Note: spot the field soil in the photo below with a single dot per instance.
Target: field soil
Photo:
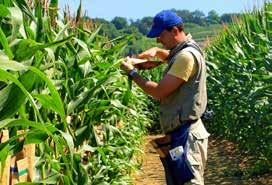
(224, 160)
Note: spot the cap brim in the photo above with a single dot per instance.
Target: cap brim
(154, 32)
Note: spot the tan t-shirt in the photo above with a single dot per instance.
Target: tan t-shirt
(184, 66)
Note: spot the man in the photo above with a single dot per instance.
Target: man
(182, 95)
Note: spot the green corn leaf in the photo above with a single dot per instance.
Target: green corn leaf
(83, 97)
(5, 122)
(75, 103)
(71, 48)
(4, 42)
(27, 48)
(52, 178)
(94, 34)
(25, 8)
(48, 102)
(28, 31)
(7, 64)
(4, 11)
(4, 152)
(16, 15)
(84, 59)
(82, 134)
(49, 31)
(12, 105)
(82, 44)
(4, 95)
(117, 104)
(61, 34)
(49, 129)
(102, 154)
(128, 93)
(13, 96)
(35, 136)
(6, 3)
(58, 105)
(69, 140)
(39, 16)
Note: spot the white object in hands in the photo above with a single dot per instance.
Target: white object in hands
(135, 61)
(176, 153)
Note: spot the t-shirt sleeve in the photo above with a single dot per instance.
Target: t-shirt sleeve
(184, 66)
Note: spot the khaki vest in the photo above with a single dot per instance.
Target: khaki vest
(189, 101)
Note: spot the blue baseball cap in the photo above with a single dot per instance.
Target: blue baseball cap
(163, 20)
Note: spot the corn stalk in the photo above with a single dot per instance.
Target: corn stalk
(240, 90)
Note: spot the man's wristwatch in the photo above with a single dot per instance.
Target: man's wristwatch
(132, 73)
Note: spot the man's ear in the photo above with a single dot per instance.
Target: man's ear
(175, 30)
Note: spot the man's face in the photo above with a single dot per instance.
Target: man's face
(167, 39)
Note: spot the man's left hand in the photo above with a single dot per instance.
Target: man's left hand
(127, 67)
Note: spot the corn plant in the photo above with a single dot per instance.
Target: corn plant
(240, 90)
(60, 81)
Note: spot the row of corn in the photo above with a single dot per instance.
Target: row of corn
(60, 82)
(240, 85)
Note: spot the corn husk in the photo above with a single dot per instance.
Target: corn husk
(135, 61)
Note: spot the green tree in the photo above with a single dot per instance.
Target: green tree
(119, 22)
(185, 14)
(227, 17)
(213, 17)
(108, 29)
(198, 17)
(143, 25)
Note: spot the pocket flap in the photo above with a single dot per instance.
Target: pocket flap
(193, 160)
(199, 131)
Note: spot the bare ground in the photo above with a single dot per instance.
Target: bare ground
(223, 160)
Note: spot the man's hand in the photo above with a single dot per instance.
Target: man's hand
(127, 66)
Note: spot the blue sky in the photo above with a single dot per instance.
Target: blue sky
(137, 9)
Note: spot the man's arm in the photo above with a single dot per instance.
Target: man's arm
(151, 53)
(155, 52)
(159, 90)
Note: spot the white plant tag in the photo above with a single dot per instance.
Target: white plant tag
(176, 153)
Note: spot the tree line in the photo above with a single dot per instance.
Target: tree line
(120, 26)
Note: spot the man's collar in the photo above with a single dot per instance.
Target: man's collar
(188, 37)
